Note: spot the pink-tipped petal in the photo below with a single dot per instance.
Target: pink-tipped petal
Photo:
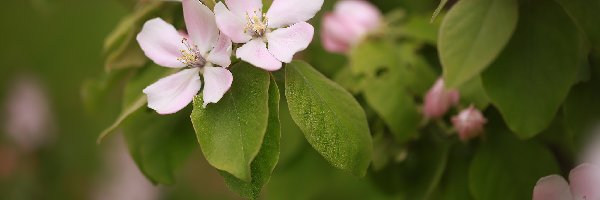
(221, 54)
(585, 181)
(285, 42)
(200, 23)
(256, 53)
(553, 187)
(172, 93)
(161, 43)
(217, 80)
(439, 99)
(361, 13)
(231, 24)
(243, 7)
(287, 12)
(335, 35)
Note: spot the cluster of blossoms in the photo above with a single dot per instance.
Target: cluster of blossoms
(268, 40)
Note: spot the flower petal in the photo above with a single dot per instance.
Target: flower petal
(243, 7)
(231, 24)
(200, 23)
(585, 180)
(285, 42)
(335, 36)
(359, 12)
(172, 93)
(256, 53)
(221, 54)
(288, 12)
(161, 43)
(553, 187)
(217, 80)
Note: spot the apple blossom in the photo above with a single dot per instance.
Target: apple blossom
(439, 99)
(469, 123)
(585, 180)
(350, 21)
(195, 54)
(269, 38)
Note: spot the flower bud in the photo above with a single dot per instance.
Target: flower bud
(438, 100)
(347, 24)
(469, 123)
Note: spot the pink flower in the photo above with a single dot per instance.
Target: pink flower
(204, 48)
(585, 181)
(438, 100)
(469, 123)
(282, 28)
(350, 21)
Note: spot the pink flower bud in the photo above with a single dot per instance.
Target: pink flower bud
(438, 100)
(347, 24)
(469, 123)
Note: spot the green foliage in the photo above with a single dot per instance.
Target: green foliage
(507, 168)
(472, 35)
(585, 14)
(159, 144)
(582, 110)
(332, 121)
(231, 132)
(267, 157)
(531, 78)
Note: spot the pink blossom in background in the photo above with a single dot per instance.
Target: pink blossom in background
(269, 38)
(123, 181)
(469, 123)
(584, 179)
(349, 22)
(28, 115)
(194, 54)
(439, 99)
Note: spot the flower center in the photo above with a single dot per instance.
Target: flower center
(257, 24)
(191, 56)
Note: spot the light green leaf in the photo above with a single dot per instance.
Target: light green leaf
(472, 92)
(133, 97)
(159, 144)
(531, 78)
(267, 157)
(472, 35)
(231, 132)
(507, 168)
(370, 55)
(331, 119)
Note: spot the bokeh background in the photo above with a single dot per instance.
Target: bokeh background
(50, 48)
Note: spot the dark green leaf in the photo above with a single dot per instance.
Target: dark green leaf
(231, 132)
(507, 168)
(159, 144)
(582, 110)
(455, 182)
(585, 13)
(331, 119)
(531, 78)
(472, 35)
(267, 157)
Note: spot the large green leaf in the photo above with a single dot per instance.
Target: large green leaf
(455, 182)
(582, 110)
(472, 35)
(159, 144)
(133, 97)
(507, 168)
(331, 119)
(531, 78)
(586, 15)
(472, 92)
(231, 132)
(393, 104)
(267, 157)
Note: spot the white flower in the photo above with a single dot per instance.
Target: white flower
(197, 54)
(272, 37)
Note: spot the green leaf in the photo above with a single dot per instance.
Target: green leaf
(331, 119)
(348, 80)
(585, 14)
(531, 78)
(582, 110)
(472, 92)
(417, 74)
(506, 168)
(418, 175)
(159, 144)
(455, 182)
(370, 55)
(472, 35)
(231, 132)
(267, 157)
(133, 97)
(393, 104)
(438, 10)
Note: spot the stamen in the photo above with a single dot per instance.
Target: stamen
(191, 57)
(256, 25)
